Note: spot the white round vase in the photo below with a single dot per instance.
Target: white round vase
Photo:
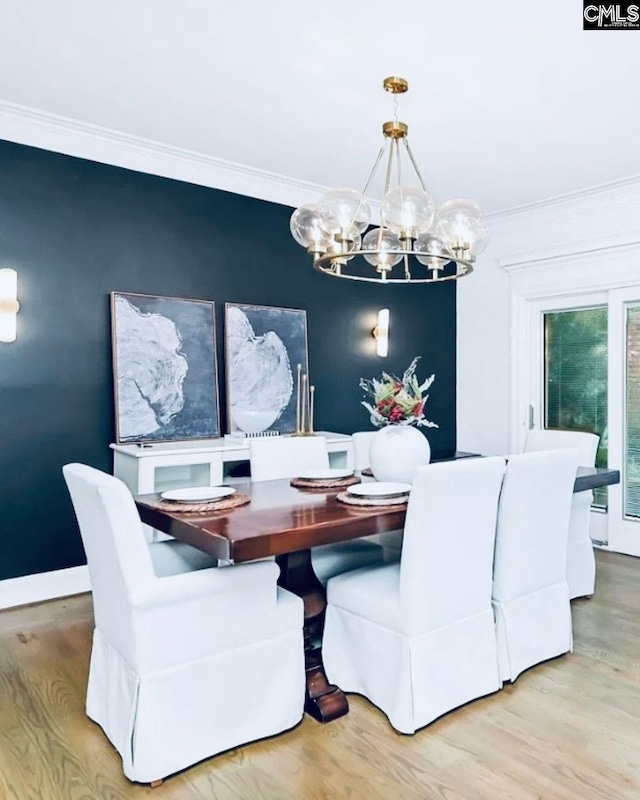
(397, 452)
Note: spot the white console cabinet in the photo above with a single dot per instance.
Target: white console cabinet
(174, 465)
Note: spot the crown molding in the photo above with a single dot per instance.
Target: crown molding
(30, 126)
(584, 248)
(72, 137)
(600, 219)
(579, 272)
(612, 194)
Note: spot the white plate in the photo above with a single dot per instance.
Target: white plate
(198, 494)
(380, 489)
(325, 474)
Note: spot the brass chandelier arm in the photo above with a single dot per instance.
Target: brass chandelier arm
(387, 180)
(415, 165)
(375, 169)
(399, 162)
(368, 183)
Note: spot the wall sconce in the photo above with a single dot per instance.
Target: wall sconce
(381, 332)
(8, 304)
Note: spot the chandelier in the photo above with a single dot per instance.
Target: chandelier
(444, 242)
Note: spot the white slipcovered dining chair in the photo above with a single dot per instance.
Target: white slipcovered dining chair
(530, 591)
(278, 458)
(417, 638)
(581, 562)
(391, 541)
(185, 666)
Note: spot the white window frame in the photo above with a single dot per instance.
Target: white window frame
(625, 531)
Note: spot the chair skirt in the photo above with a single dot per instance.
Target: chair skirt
(164, 721)
(581, 560)
(532, 628)
(412, 679)
(581, 569)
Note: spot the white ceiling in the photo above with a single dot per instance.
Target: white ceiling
(510, 102)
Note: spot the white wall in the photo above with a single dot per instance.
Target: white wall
(539, 241)
(483, 359)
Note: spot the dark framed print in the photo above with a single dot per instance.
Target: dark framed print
(164, 367)
(263, 347)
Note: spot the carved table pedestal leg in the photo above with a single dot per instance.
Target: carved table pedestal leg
(324, 701)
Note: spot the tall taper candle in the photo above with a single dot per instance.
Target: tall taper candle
(298, 402)
(312, 392)
(303, 414)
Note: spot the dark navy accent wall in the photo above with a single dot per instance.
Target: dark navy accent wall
(75, 230)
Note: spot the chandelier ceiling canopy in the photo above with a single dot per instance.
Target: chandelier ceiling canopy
(415, 242)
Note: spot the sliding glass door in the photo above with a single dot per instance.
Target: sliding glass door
(575, 376)
(585, 359)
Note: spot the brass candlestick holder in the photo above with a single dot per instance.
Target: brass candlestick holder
(305, 400)
(298, 401)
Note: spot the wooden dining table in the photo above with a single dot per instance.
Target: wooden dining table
(286, 522)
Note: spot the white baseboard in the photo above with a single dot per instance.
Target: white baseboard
(44, 586)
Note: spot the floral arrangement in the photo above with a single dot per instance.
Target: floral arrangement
(398, 401)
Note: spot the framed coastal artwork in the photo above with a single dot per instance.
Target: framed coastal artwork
(164, 367)
(263, 346)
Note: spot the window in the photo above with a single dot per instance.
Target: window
(575, 378)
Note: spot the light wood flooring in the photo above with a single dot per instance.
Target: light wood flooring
(569, 728)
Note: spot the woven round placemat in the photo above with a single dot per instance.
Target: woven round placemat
(330, 483)
(371, 502)
(225, 503)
